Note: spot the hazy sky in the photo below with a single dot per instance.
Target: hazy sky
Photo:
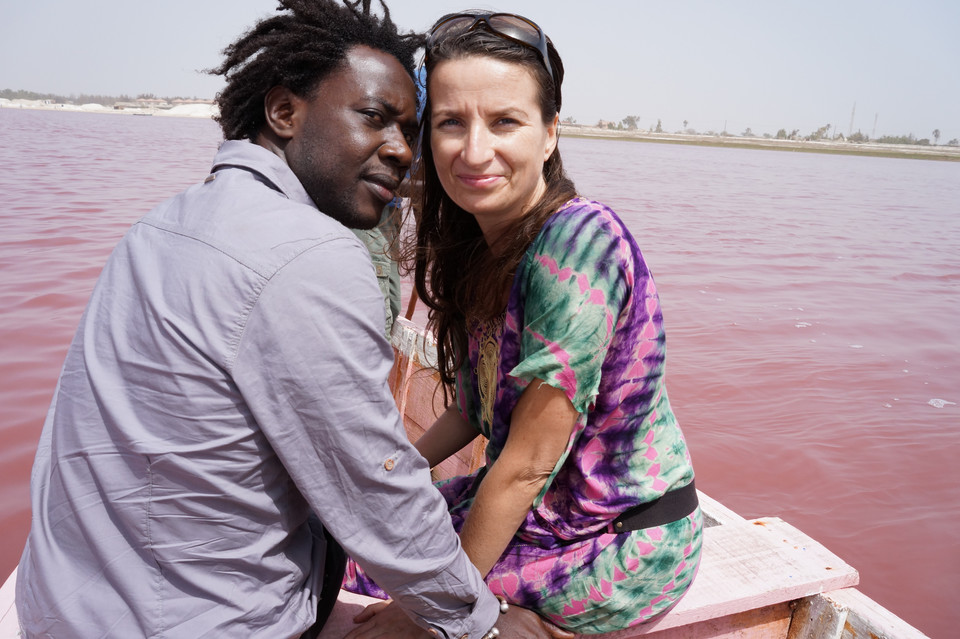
(763, 64)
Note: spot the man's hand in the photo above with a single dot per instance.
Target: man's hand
(523, 623)
(386, 620)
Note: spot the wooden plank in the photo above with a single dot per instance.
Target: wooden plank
(867, 618)
(715, 513)
(817, 617)
(848, 614)
(9, 624)
(771, 622)
(410, 340)
(751, 565)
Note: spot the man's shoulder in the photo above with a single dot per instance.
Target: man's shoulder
(242, 215)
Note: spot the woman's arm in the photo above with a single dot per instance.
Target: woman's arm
(540, 428)
(449, 433)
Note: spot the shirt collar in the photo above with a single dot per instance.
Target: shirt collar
(247, 155)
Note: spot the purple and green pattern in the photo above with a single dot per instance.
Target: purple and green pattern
(584, 316)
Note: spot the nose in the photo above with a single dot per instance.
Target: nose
(477, 146)
(396, 149)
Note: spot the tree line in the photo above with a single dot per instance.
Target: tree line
(83, 98)
(628, 123)
(632, 123)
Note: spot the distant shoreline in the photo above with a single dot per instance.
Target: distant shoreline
(906, 151)
(200, 110)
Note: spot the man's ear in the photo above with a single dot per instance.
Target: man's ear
(280, 106)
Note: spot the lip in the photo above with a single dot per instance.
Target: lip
(478, 181)
(383, 185)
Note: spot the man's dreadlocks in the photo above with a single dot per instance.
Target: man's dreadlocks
(297, 49)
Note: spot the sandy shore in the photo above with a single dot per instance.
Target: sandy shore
(942, 152)
(949, 153)
(180, 110)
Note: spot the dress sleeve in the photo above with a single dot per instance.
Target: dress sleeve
(312, 366)
(569, 292)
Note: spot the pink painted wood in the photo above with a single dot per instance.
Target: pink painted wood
(9, 626)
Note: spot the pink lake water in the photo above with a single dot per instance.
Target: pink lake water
(812, 306)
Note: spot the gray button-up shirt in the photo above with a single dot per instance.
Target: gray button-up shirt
(229, 377)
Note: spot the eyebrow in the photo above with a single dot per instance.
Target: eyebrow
(513, 112)
(388, 106)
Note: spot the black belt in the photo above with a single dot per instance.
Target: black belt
(669, 507)
(334, 565)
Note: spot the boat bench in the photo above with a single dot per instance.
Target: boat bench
(751, 572)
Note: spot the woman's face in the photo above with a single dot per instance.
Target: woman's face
(488, 138)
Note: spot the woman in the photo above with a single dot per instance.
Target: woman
(550, 333)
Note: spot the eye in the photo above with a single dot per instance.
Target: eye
(447, 123)
(373, 115)
(507, 122)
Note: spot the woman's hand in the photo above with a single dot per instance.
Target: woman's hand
(386, 620)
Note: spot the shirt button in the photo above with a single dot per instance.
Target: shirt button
(388, 465)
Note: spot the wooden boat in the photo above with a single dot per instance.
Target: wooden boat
(758, 578)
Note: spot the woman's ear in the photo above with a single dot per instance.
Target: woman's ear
(553, 131)
(280, 108)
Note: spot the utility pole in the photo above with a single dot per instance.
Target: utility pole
(873, 136)
(852, 113)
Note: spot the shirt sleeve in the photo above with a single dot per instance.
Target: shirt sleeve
(313, 365)
(572, 287)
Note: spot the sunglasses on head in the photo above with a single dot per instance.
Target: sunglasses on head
(508, 26)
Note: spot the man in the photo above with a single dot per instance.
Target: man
(228, 377)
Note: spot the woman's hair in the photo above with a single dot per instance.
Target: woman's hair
(297, 49)
(456, 275)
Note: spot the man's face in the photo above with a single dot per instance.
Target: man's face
(351, 147)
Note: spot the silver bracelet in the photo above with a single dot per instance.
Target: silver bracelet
(493, 633)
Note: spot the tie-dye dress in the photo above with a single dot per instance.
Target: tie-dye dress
(584, 316)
